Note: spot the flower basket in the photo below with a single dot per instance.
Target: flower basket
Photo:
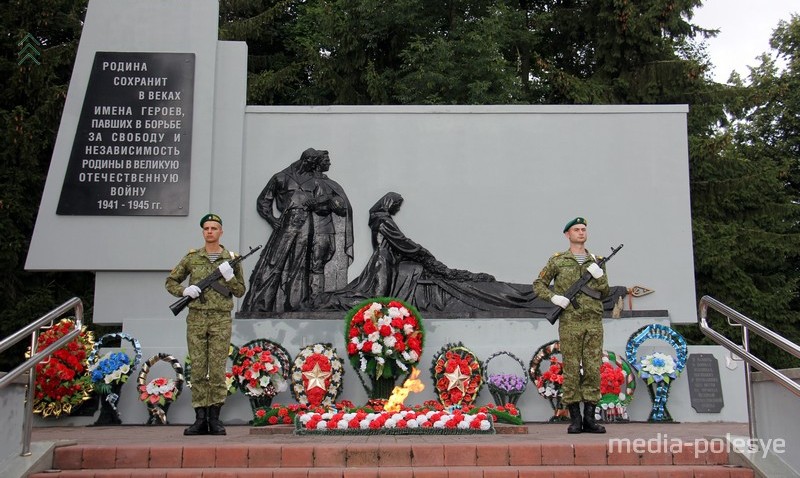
(549, 382)
(256, 403)
(456, 374)
(505, 388)
(159, 393)
(384, 339)
(658, 370)
(317, 376)
(260, 371)
(62, 384)
(109, 373)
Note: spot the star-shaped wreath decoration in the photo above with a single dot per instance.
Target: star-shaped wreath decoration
(457, 376)
(316, 378)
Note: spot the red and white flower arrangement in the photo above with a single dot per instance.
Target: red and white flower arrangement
(457, 375)
(384, 337)
(158, 391)
(287, 414)
(405, 420)
(317, 376)
(257, 372)
(617, 385)
(550, 382)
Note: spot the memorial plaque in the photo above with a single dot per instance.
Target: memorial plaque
(705, 386)
(132, 150)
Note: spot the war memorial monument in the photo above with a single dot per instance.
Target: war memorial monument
(156, 133)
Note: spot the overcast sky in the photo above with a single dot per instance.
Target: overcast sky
(745, 29)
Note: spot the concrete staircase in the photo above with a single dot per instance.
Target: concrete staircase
(341, 457)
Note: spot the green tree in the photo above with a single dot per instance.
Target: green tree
(745, 199)
(30, 111)
(276, 42)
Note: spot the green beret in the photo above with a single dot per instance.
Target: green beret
(577, 220)
(210, 217)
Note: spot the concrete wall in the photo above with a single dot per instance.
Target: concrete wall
(12, 409)
(774, 419)
(489, 188)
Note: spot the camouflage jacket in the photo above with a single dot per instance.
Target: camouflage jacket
(196, 265)
(562, 269)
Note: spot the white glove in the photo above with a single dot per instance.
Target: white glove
(595, 270)
(226, 270)
(560, 301)
(192, 291)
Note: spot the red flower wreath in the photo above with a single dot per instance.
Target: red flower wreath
(456, 375)
(61, 381)
(317, 375)
(384, 337)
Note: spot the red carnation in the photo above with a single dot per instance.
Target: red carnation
(369, 327)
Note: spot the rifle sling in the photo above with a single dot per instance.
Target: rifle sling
(594, 294)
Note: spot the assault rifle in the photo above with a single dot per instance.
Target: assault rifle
(577, 287)
(210, 281)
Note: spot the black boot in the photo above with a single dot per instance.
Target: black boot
(214, 423)
(589, 425)
(575, 418)
(200, 425)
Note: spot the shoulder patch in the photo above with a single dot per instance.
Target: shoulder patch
(192, 251)
(233, 254)
(556, 254)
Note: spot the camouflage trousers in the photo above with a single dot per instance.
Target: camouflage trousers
(208, 338)
(581, 345)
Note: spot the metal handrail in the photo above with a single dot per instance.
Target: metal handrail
(743, 351)
(30, 365)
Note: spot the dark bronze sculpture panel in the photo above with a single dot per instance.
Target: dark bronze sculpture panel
(301, 257)
(299, 260)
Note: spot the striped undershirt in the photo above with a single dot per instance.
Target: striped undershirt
(213, 256)
(581, 258)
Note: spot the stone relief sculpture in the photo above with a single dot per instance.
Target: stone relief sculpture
(303, 267)
(300, 204)
(399, 267)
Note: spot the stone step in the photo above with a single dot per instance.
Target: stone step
(328, 454)
(544, 471)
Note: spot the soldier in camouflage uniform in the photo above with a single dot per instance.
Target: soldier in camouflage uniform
(208, 325)
(580, 330)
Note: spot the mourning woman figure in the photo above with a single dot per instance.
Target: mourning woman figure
(396, 266)
(401, 268)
